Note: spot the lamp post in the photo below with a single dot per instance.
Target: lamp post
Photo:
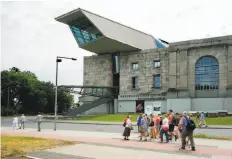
(8, 99)
(58, 59)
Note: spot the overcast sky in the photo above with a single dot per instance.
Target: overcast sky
(31, 38)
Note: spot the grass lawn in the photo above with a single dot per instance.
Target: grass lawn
(219, 121)
(203, 136)
(20, 146)
(106, 118)
(120, 117)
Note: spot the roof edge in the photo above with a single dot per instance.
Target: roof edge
(80, 9)
(63, 15)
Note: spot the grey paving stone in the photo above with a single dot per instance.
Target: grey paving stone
(53, 155)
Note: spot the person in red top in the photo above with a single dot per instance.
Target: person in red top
(157, 126)
(126, 119)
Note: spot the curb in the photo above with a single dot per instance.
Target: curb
(122, 124)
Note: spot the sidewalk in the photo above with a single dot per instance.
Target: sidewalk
(110, 145)
(120, 123)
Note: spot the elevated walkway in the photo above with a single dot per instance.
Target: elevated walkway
(104, 94)
(88, 106)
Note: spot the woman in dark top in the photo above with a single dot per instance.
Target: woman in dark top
(176, 131)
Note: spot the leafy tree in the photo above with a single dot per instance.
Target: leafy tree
(32, 95)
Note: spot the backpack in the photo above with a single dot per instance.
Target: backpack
(152, 124)
(190, 124)
(161, 121)
(173, 120)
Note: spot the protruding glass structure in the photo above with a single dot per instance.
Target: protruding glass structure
(84, 31)
(100, 35)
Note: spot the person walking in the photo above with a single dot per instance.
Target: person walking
(187, 125)
(148, 123)
(128, 128)
(164, 129)
(202, 120)
(15, 122)
(22, 121)
(143, 128)
(124, 121)
(152, 126)
(157, 127)
(198, 118)
(176, 130)
(39, 120)
(139, 121)
(172, 122)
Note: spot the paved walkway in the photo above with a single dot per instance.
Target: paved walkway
(110, 145)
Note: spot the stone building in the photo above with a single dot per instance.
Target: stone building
(194, 75)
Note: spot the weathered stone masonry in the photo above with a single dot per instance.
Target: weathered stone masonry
(177, 70)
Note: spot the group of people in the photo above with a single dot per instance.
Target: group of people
(178, 126)
(19, 123)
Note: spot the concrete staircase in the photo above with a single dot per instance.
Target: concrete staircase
(88, 106)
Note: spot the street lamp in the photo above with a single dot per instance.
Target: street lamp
(58, 59)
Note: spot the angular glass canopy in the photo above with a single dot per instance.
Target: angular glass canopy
(84, 31)
(97, 34)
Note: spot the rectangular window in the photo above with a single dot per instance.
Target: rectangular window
(156, 81)
(156, 64)
(135, 66)
(135, 82)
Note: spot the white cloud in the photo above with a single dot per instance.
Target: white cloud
(31, 38)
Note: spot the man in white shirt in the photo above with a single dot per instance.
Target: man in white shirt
(22, 121)
(39, 119)
(15, 122)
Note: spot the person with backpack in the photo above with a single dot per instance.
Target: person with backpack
(172, 122)
(152, 126)
(176, 130)
(128, 128)
(187, 125)
(125, 119)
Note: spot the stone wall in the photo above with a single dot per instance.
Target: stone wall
(177, 69)
(220, 53)
(97, 70)
(144, 73)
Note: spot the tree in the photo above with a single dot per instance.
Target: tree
(33, 95)
(15, 69)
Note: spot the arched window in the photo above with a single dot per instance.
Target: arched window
(206, 73)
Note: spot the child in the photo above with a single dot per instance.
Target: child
(15, 122)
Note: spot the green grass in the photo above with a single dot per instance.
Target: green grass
(120, 118)
(203, 136)
(20, 146)
(106, 118)
(219, 121)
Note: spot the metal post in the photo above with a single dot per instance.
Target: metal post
(56, 94)
(8, 100)
(58, 59)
